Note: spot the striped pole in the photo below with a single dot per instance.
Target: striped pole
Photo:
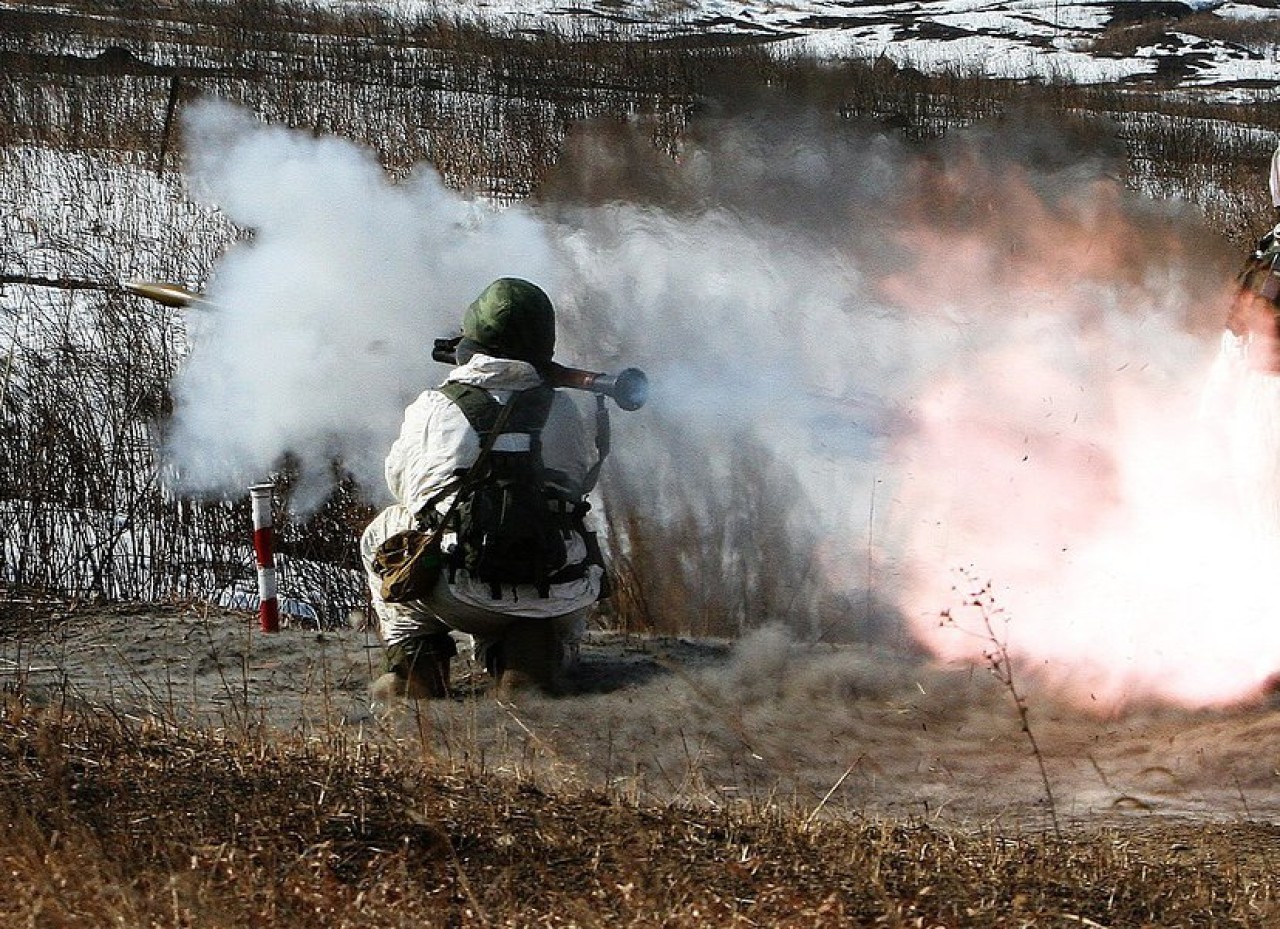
(268, 608)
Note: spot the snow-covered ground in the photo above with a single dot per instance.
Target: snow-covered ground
(1040, 39)
(1224, 50)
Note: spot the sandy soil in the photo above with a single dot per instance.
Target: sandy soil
(832, 730)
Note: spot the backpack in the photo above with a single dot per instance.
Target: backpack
(511, 526)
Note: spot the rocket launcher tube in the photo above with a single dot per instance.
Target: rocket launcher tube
(629, 388)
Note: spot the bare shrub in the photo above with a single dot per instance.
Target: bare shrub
(1260, 35)
(724, 550)
(1123, 39)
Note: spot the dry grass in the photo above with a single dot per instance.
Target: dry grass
(114, 821)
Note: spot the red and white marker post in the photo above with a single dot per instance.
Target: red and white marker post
(268, 607)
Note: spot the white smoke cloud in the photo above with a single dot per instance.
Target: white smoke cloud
(325, 317)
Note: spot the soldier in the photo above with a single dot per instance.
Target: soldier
(1255, 311)
(524, 604)
(1241, 400)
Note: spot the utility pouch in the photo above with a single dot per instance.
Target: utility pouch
(408, 564)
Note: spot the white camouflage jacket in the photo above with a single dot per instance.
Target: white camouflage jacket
(436, 441)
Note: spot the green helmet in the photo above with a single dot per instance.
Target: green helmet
(512, 319)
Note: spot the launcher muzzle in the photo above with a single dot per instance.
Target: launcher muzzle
(629, 388)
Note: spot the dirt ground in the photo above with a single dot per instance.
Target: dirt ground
(830, 730)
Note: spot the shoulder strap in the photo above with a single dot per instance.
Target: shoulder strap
(527, 410)
(603, 434)
(487, 440)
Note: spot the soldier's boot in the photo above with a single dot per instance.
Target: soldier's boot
(429, 678)
(531, 657)
(419, 669)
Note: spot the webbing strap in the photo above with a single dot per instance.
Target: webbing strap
(603, 436)
(527, 409)
(470, 474)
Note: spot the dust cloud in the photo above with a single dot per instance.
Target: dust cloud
(973, 372)
(763, 722)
